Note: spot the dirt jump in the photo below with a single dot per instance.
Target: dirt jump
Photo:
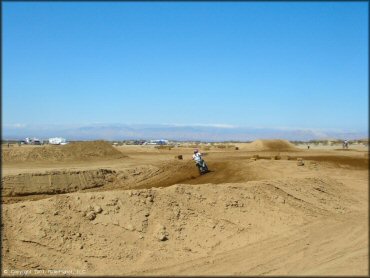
(271, 145)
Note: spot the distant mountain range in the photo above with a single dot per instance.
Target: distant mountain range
(174, 132)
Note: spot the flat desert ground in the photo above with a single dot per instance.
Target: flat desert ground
(94, 209)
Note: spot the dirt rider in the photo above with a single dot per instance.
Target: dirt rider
(197, 156)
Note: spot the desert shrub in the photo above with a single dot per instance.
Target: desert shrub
(221, 146)
(225, 146)
(164, 147)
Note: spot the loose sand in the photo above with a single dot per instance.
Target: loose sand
(137, 210)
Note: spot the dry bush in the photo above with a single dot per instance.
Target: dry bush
(225, 146)
(164, 147)
(221, 146)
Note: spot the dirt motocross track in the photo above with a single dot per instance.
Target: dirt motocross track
(138, 210)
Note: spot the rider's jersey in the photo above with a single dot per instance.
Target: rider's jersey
(197, 157)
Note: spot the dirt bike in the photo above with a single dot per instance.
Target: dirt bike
(202, 166)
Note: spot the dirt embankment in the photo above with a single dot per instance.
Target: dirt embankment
(66, 181)
(55, 182)
(139, 177)
(79, 151)
(151, 230)
(342, 161)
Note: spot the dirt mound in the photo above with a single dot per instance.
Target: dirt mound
(342, 161)
(167, 173)
(55, 182)
(27, 185)
(73, 151)
(272, 145)
(137, 231)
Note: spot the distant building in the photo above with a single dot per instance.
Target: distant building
(32, 141)
(36, 141)
(159, 142)
(57, 141)
(139, 142)
(156, 142)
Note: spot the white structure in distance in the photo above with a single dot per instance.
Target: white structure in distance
(156, 142)
(32, 141)
(57, 141)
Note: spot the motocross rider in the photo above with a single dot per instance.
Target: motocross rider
(197, 156)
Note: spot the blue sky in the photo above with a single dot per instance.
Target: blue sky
(284, 64)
